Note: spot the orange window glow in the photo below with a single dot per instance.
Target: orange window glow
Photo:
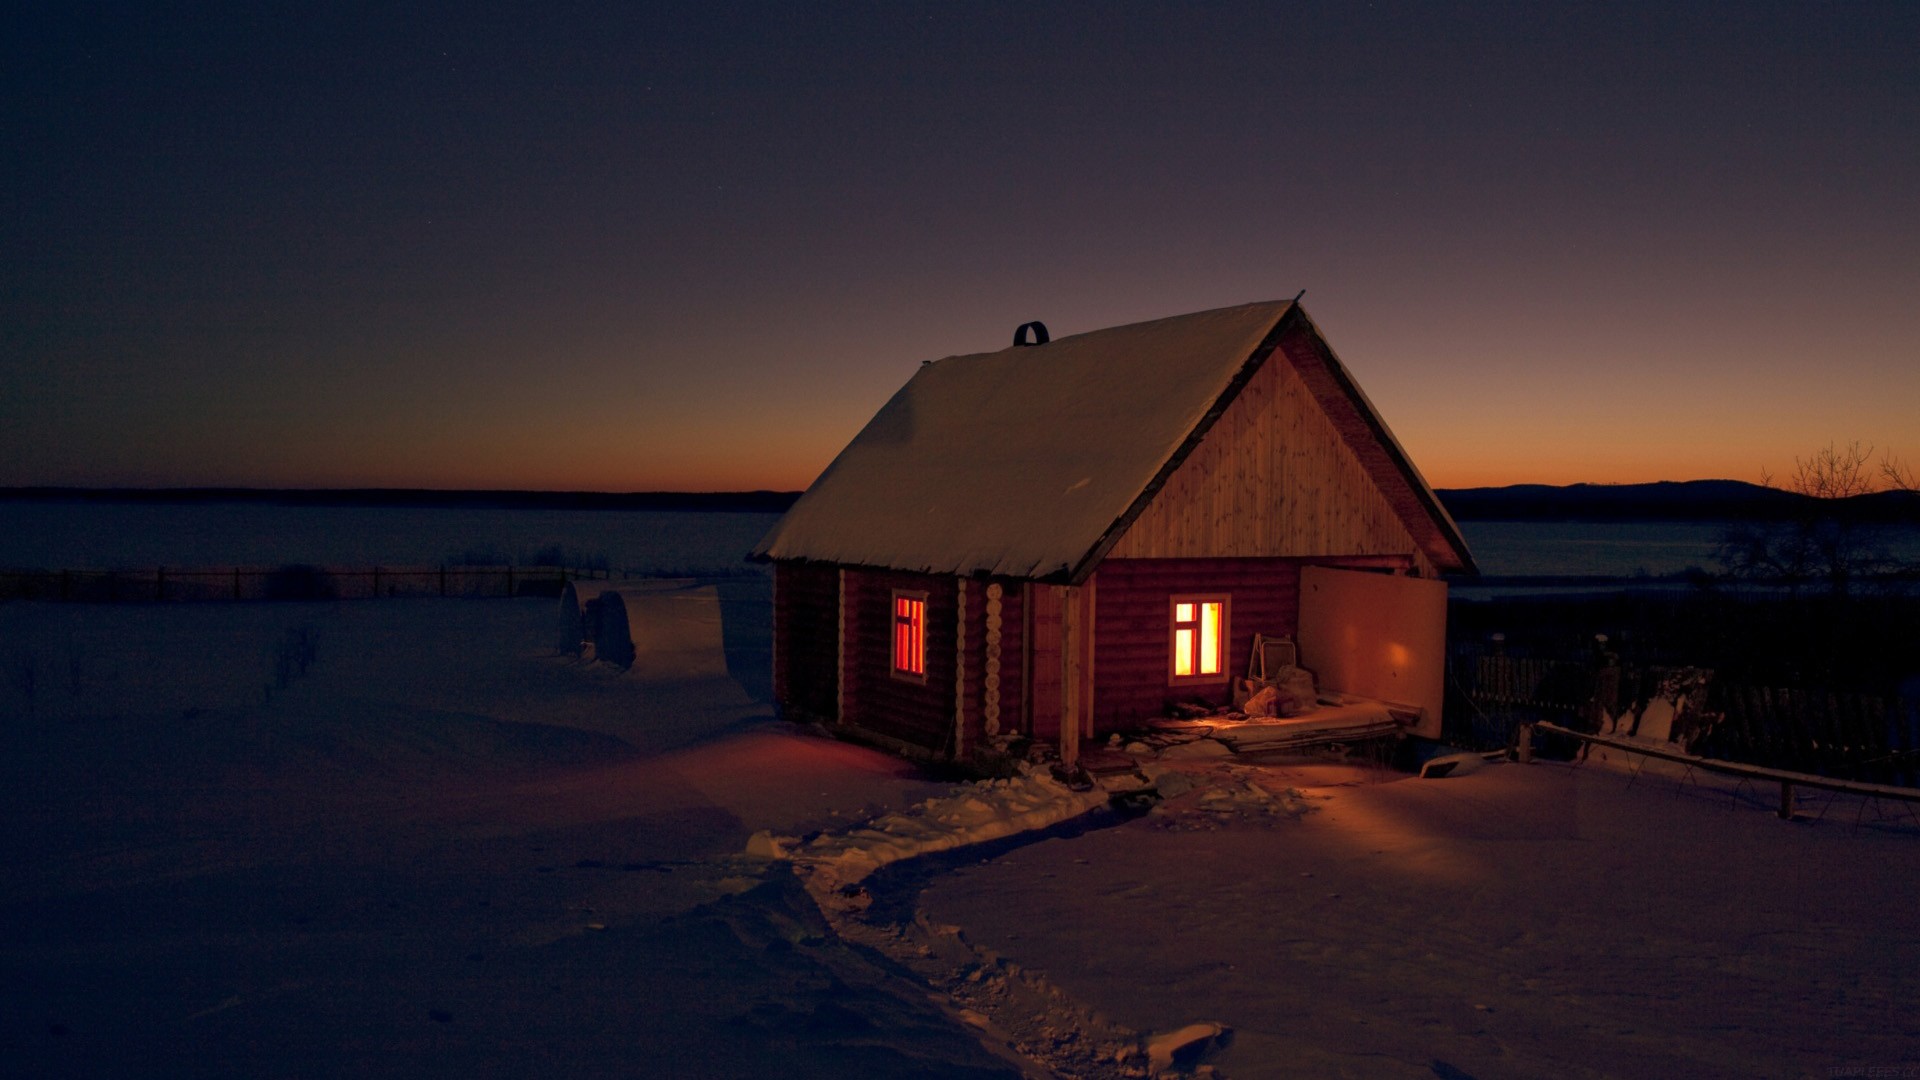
(909, 634)
(1198, 632)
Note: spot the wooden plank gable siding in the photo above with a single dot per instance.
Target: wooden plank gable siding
(1366, 434)
(806, 642)
(918, 712)
(1274, 477)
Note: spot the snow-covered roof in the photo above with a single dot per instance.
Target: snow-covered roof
(1022, 462)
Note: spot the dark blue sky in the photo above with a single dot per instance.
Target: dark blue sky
(658, 246)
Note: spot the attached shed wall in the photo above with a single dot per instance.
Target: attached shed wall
(1273, 477)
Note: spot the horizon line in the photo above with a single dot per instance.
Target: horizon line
(108, 490)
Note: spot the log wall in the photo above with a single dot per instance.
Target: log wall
(920, 713)
(1042, 661)
(1273, 477)
(1132, 642)
(1133, 635)
(991, 693)
(1006, 664)
(806, 620)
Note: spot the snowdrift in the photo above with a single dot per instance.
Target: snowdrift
(986, 810)
(660, 629)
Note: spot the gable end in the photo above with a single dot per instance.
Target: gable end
(1254, 362)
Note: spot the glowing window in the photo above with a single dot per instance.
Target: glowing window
(910, 635)
(1199, 638)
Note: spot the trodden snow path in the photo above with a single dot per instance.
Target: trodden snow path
(833, 862)
(1016, 1009)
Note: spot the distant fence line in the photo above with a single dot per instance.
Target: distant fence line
(1854, 736)
(299, 582)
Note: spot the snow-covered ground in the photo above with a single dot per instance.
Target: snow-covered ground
(438, 850)
(407, 838)
(1522, 921)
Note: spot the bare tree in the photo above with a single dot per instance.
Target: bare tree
(1834, 472)
(1828, 541)
(1898, 476)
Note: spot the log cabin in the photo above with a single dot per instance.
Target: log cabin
(1060, 540)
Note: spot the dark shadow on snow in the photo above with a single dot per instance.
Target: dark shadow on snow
(895, 887)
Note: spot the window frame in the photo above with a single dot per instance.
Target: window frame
(894, 620)
(1198, 678)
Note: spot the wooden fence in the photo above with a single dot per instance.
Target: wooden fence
(283, 583)
(1492, 695)
(1861, 737)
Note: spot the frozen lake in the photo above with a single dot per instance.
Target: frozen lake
(68, 535)
(117, 536)
(1625, 550)
(1611, 549)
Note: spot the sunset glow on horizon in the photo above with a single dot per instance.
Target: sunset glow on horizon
(685, 249)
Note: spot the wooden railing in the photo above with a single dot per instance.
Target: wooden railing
(1787, 779)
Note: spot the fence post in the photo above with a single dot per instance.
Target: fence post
(1786, 801)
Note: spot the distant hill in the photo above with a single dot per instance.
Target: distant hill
(1685, 500)
(1668, 500)
(761, 501)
